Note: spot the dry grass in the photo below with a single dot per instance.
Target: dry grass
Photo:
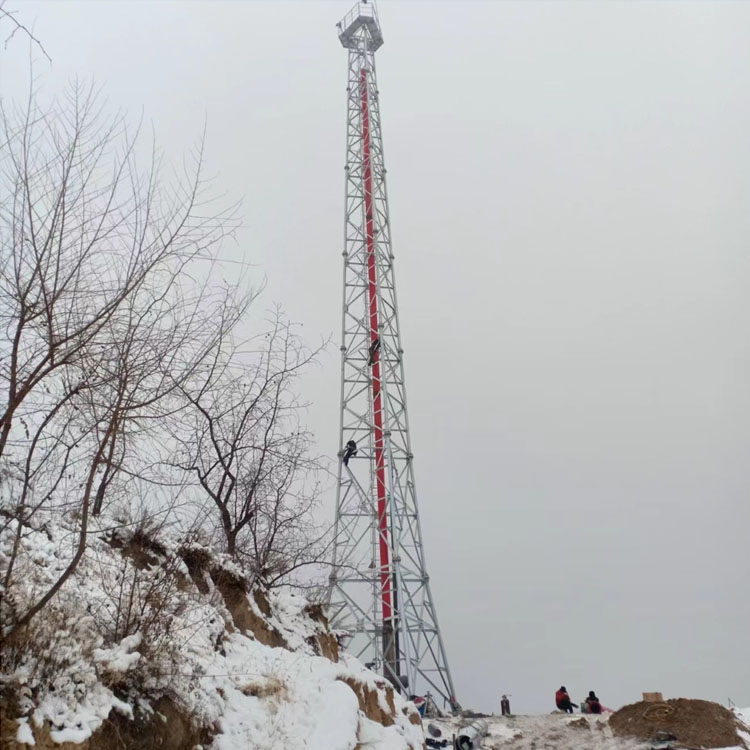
(270, 687)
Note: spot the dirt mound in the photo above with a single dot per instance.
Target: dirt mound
(695, 723)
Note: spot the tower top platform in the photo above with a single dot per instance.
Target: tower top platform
(362, 16)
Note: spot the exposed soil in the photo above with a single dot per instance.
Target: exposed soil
(197, 562)
(234, 592)
(579, 724)
(142, 548)
(695, 723)
(315, 612)
(262, 601)
(326, 644)
(369, 703)
(8, 725)
(413, 715)
(329, 646)
(165, 729)
(168, 729)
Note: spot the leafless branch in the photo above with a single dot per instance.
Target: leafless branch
(109, 310)
(19, 27)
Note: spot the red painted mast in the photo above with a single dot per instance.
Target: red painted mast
(379, 590)
(377, 405)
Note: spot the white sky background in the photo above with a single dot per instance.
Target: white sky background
(569, 187)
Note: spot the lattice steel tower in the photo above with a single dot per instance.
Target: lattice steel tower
(379, 588)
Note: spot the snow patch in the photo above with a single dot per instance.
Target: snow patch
(24, 735)
(336, 718)
(118, 660)
(374, 736)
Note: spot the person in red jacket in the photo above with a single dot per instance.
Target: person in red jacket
(562, 701)
(593, 703)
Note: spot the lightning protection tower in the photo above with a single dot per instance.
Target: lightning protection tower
(379, 588)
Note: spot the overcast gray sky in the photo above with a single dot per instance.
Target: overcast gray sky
(570, 189)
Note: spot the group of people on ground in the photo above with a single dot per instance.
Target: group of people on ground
(590, 706)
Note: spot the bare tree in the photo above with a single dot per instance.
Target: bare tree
(244, 444)
(104, 322)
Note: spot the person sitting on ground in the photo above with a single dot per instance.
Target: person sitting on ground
(562, 701)
(592, 702)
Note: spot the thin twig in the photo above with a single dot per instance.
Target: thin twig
(20, 27)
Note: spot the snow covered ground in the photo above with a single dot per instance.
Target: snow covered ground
(246, 668)
(743, 714)
(557, 731)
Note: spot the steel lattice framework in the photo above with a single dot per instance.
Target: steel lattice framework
(379, 588)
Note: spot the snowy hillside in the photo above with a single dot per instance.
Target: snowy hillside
(155, 644)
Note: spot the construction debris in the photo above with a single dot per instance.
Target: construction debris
(470, 734)
(653, 698)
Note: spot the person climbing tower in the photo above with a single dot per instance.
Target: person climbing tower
(351, 450)
(373, 350)
(562, 701)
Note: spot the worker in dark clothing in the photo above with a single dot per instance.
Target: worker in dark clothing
(594, 707)
(373, 350)
(351, 450)
(505, 705)
(562, 701)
